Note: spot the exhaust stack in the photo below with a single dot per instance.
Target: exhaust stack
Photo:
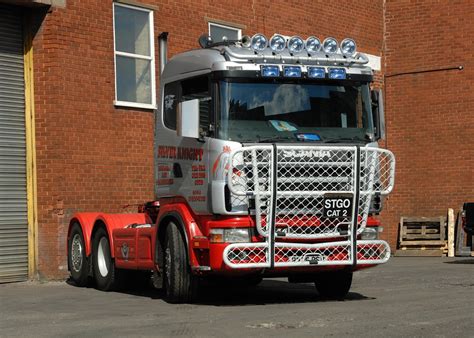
(163, 43)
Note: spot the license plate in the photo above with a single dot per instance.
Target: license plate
(337, 206)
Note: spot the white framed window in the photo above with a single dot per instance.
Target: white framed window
(218, 31)
(134, 55)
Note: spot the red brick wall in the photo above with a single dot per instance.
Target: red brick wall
(430, 115)
(93, 156)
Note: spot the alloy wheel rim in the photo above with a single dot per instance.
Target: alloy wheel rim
(103, 257)
(76, 253)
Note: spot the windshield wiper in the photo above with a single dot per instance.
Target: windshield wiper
(348, 139)
(274, 139)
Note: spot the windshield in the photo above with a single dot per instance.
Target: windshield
(294, 112)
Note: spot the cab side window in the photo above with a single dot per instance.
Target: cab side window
(198, 88)
(170, 104)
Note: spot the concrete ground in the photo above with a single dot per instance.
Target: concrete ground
(416, 297)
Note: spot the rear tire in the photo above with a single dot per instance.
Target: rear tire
(180, 284)
(334, 285)
(105, 272)
(77, 259)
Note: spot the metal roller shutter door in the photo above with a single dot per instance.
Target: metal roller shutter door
(13, 203)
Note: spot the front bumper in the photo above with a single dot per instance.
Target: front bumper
(257, 255)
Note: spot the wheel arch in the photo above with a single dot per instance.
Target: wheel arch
(162, 223)
(86, 221)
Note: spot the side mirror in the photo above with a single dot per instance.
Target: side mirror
(378, 114)
(188, 119)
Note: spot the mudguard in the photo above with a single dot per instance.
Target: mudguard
(90, 220)
(181, 212)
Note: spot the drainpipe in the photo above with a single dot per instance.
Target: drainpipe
(163, 43)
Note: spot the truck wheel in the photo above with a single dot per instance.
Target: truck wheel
(105, 273)
(77, 259)
(180, 284)
(334, 285)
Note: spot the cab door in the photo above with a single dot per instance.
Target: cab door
(182, 162)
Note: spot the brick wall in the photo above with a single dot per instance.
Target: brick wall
(430, 115)
(93, 156)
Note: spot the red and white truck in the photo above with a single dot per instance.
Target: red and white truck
(267, 165)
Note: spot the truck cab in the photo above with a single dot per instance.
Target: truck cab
(266, 163)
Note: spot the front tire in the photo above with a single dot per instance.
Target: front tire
(105, 273)
(77, 259)
(334, 284)
(180, 284)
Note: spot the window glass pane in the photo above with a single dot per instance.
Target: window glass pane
(170, 104)
(217, 33)
(198, 88)
(132, 33)
(133, 80)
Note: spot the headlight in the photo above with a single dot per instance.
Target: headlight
(277, 43)
(348, 47)
(330, 45)
(371, 233)
(313, 45)
(259, 42)
(295, 44)
(231, 235)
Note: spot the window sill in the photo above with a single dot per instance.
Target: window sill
(134, 105)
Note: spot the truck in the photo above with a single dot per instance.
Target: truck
(267, 164)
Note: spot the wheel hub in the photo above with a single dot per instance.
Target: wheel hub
(103, 256)
(76, 253)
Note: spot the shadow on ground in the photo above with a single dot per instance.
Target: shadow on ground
(461, 261)
(267, 292)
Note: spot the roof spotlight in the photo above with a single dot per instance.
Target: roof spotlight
(330, 45)
(295, 44)
(277, 43)
(259, 42)
(348, 47)
(313, 45)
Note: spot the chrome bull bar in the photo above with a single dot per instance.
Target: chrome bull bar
(288, 185)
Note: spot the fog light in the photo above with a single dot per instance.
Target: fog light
(270, 71)
(316, 72)
(292, 71)
(337, 73)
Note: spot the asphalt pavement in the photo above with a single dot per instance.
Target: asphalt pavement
(407, 297)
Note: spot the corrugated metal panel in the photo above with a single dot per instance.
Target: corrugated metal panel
(13, 208)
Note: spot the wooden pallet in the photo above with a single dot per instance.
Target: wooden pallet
(422, 236)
